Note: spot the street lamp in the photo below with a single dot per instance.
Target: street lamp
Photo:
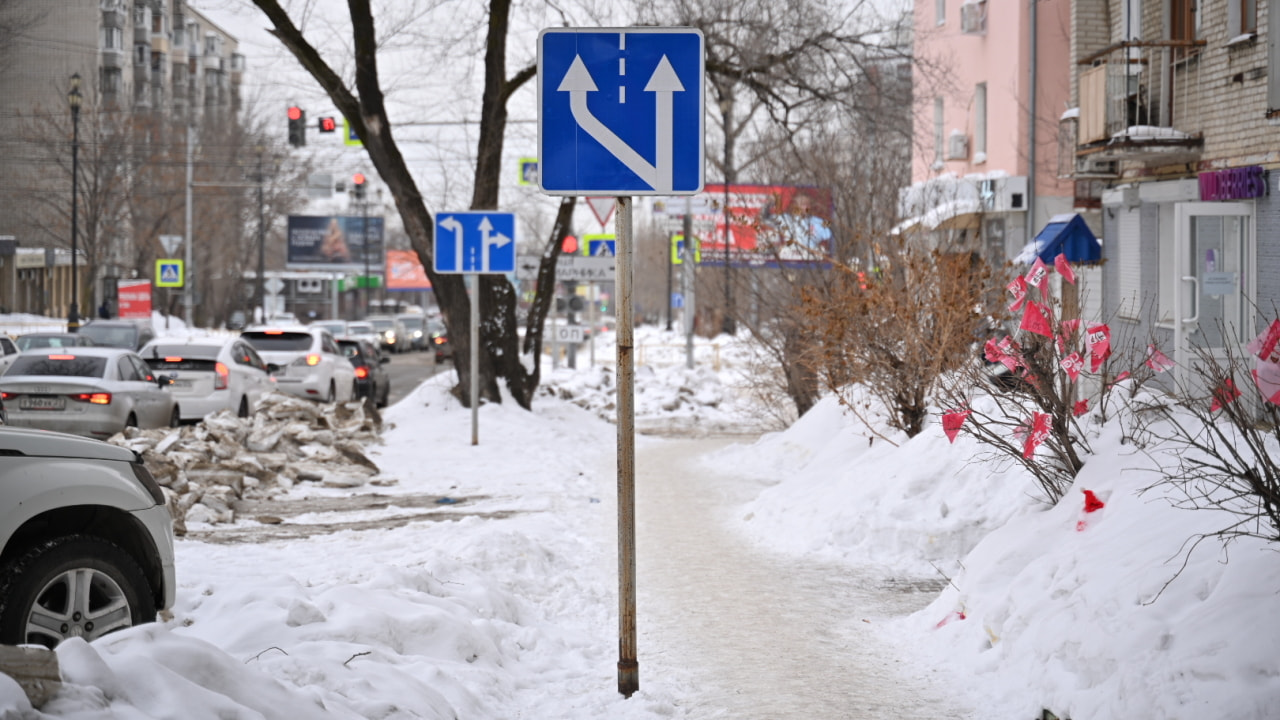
(73, 99)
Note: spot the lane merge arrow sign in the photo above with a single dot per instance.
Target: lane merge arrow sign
(620, 111)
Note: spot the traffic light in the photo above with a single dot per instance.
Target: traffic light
(328, 125)
(297, 126)
(569, 245)
(358, 184)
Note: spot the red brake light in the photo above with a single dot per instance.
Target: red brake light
(94, 398)
(362, 372)
(62, 357)
(8, 395)
(220, 380)
(173, 359)
(313, 359)
(272, 332)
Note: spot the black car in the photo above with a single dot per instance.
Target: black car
(126, 334)
(372, 379)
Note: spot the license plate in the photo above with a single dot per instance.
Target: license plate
(180, 383)
(52, 402)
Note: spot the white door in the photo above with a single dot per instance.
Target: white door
(1214, 294)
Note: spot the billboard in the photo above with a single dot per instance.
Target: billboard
(768, 224)
(404, 271)
(134, 299)
(335, 243)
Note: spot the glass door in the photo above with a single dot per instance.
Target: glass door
(1213, 295)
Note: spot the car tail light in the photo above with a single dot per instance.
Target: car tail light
(438, 340)
(313, 359)
(362, 372)
(62, 357)
(272, 332)
(93, 398)
(8, 395)
(220, 380)
(173, 359)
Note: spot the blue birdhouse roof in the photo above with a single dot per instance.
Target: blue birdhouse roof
(1066, 234)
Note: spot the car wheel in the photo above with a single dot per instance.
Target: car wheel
(332, 393)
(175, 417)
(131, 421)
(244, 408)
(386, 395)
(74, 586)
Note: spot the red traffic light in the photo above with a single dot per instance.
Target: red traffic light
(328, 125)
(569, 245)
(358, 178)
(295, 113)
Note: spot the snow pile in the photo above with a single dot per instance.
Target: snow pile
(205, 468)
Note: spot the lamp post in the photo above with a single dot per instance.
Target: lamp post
(260, 290)
(74, 99)
(726, 116)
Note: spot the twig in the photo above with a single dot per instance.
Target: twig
(353, 657)
(273, 647)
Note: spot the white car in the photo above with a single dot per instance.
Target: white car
(211, 374)
(306, 362)
(91, 391)
(85, 537)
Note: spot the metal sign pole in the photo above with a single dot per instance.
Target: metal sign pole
(689, 259)
(628, 667)
(475, 357)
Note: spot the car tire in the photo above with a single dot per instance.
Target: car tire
(175, 417)
(243, 410)
(39, 588)
(131, 421)
(385, 396)
(332, 394)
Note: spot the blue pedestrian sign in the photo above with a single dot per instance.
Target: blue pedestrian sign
(475, 242)
(620, 111)
(168, 273)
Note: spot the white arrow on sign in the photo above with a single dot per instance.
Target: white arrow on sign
(454, 225)
(664, 81)
(487, 240)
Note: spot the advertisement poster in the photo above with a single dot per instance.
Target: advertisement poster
(404, 271)
(334, 243)
(768, 224)
(134, 298)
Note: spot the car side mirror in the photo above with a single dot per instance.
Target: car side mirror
(164, 380)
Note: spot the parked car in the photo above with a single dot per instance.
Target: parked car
(415, 329)
(438, 336)
(87, 542)
(306, 362)
(211, 374)
(363, 331)
(128, 334)
(8, 351)
(391, 334)
(372, 378)
(91, 391)
(36, 341)
(337, 328)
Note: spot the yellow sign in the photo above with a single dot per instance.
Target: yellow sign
(168, 273)
(599, 244)
(528, 171)
(349, 136)
(677, 249)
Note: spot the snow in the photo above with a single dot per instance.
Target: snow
(503, 604)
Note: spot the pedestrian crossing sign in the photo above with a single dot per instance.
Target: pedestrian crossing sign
(169, 273)
(600, 245)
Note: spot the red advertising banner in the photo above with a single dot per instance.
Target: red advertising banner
(773, 219)
(134, 298)
(404, 271)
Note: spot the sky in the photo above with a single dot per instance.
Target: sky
(974, 598)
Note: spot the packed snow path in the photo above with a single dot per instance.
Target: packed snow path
(760, 635)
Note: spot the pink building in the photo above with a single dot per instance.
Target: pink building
(973, 126)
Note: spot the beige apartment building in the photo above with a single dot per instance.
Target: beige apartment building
(1173, 144)
(151, 66)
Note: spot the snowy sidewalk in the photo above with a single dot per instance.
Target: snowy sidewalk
(759, 635)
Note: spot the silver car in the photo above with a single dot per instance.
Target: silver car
(86, 543)
(91, 391)
(305, 362)
(211, 374)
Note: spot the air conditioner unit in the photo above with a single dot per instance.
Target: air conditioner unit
(1007, 194)
(973, 17)
(957, 146)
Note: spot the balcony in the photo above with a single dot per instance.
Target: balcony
(1141, 101)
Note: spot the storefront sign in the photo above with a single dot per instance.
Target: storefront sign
(1233, 184)
(134, 298)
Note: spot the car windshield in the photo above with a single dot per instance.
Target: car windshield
(359, 329)
(382, 324)
(279, 341)
(111, 335)
(65, 365)
(26, 342)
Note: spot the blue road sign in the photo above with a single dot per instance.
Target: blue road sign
(602, 248)
(475, 242)
(620, 111)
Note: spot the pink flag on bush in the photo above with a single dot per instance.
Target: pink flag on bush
(1036, 434)
(1224, 395)
(1267, 377)
(1099, 341)
(1073, 364)
(1266, 371)
(1157, 360)
(1267, 345)
(1036, 277)
(1018, 290)
(1066, 329)
(1081, 408)
(952, 422)
(1064, 268)
(1034, 320)
(991, 351)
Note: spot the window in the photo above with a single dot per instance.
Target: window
(937, 132)
(980, 123)
(111, 78)
(157, 23)
(1184, 19)
(112, 38)
(940, 12)
(1242, 17)
(141, 54)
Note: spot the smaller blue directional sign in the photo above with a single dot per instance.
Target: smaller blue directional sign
(620, 111)
(475, 242)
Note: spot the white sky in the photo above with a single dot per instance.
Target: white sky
(1085, 614)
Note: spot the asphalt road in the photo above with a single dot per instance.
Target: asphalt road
(408, 370)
